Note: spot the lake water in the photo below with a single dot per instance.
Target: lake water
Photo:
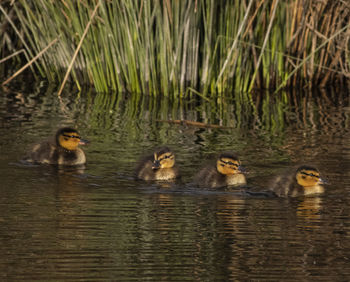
(98, 223)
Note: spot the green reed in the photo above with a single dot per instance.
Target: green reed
(167, 48)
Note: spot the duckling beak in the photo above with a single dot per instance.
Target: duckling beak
(84, 142)
(242, 169)
(156, 164)
(322, 181)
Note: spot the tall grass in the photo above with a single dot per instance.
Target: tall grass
(167, 48)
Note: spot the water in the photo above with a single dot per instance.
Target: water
(98, 223)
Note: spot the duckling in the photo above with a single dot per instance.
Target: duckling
(159, 166)
(61, 150)
(304, 181)
(227, 171)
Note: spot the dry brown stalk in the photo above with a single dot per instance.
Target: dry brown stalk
(78, 48)
(12, 55)
(31, 61)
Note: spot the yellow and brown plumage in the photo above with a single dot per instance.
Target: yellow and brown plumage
(61, 150)
(158, 166)
(305, 180)
(225, 172)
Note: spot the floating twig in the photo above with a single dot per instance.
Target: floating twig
(194, 123)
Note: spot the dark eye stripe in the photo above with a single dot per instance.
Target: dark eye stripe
(229, 163)
(310, 174)
(166, 157)
(71, 136)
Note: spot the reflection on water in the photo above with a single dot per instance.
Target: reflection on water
(98, 222)
(310, 208)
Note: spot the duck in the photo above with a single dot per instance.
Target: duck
(304, 180)
(158, 166)
(226, 171)
(62, 149)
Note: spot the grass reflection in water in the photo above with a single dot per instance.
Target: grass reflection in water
(100, 223)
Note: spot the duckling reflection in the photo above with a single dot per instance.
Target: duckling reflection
(309, 209)
(158, 166)
(61, 150)
(305, 180)
(227, 171)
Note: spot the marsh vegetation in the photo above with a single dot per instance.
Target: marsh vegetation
(178, 48)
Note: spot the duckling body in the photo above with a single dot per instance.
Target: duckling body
(159, 166)
(61, 150)
(226, 172)
(304, 181)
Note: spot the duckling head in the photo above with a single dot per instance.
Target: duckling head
(308, 176)
(69, 139)
(229, 164)
(163, 158)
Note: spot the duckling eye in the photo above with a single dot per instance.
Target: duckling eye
(165, 157)
(229, 163)
(310, 174)
(71, 136)
(304, 174)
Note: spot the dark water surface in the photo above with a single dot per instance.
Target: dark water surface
(98, 223)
